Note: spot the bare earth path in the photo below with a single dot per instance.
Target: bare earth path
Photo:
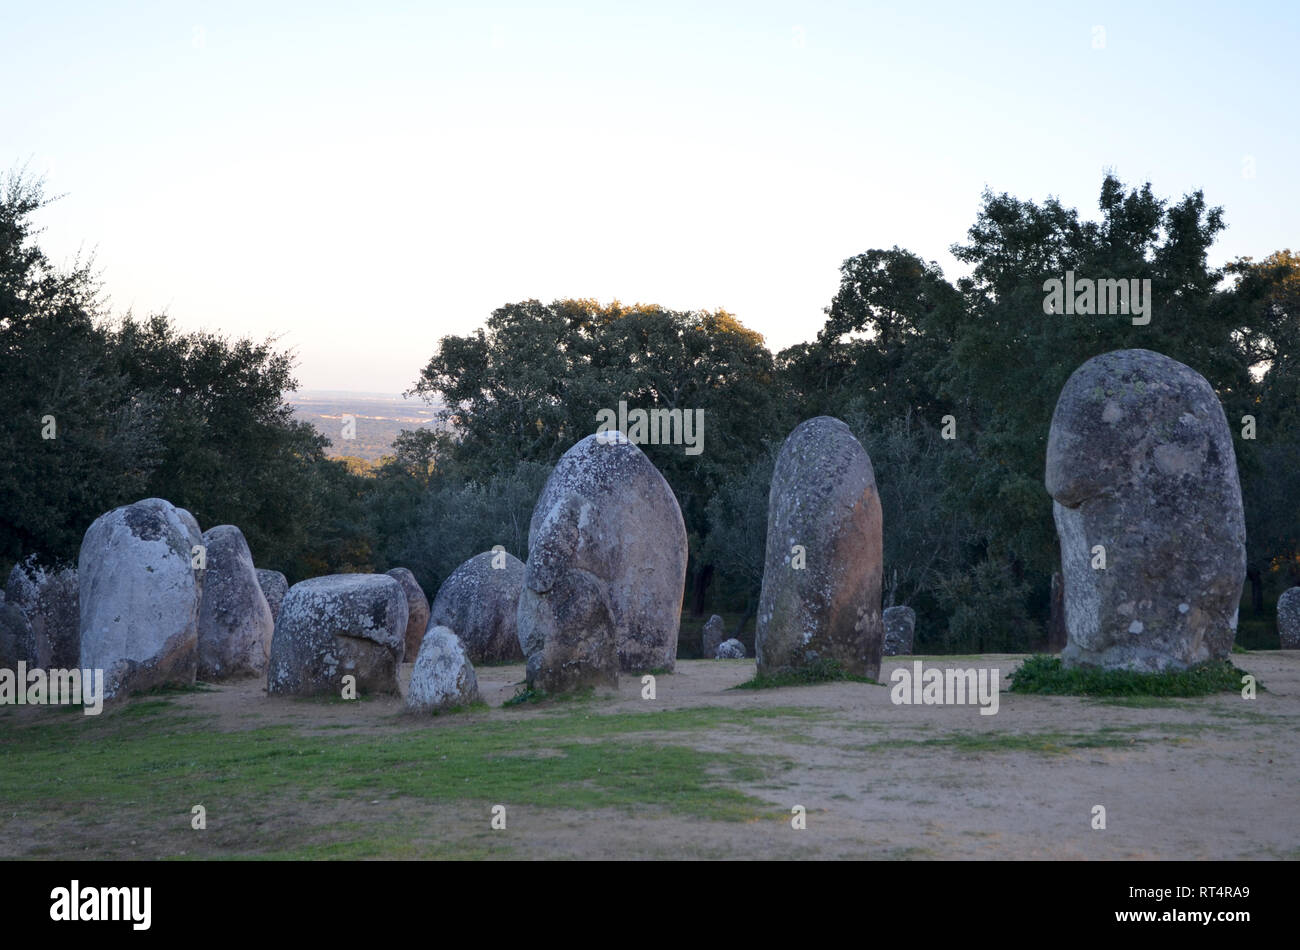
(1214, 777)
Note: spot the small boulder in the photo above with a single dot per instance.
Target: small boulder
(711, 636)
(1288, 619)
(900, 629)
(731, 649)
(274, 586)
(51, 599)
(443, 677)
(335, 626)
(139, 597)
(235, 620)
(15, 637)
(480, 601)
(417, 611)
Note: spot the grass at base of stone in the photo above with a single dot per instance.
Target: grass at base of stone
(821, 671)
(1046, 675)
(525, 695)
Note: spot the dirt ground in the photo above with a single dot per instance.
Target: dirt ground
(1213, 777)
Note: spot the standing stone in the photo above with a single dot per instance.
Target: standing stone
(235, 620)
(606, 569)
(480, 601)
(1141, 470)
(1288, 619)
(140, 597)
(900, 630)
(443, 677)
(417, 611)
(820, 598)
(1056, 635)
(274, 586)
(51, 599)
(15, 637)
(335, 626)
(731, 649)
(711, 637)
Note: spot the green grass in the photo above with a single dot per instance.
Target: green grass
(1046, 675)
(145, 764)
(819, 671)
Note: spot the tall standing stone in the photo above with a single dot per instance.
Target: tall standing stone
(1288, 619)
(235, 621)
(16, 640)
(1056, 635)
(417, 610)
(1143, 479)
(480, 601)
(606, 569)
(274, 586)
(820, 598)
(900, 630)
(51, 600)
(140, 597)
(336, 626)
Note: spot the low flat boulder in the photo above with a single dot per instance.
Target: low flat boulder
(335, 626)
(731, 649)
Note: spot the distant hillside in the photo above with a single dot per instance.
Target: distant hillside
(379, 418)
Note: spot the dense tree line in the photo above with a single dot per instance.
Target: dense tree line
(950, 386)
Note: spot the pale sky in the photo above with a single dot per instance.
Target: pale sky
(361, 179)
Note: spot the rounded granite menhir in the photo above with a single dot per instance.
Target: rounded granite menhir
(606, 569)
(139, 597)
(822, 603)
(235, 621)
(335, 626)
(1140, 464)
(480, 601)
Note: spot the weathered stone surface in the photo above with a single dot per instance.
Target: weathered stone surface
(1140, 462)
(51, 600)
(417, 611)
(606, 569)
(480, 601)
(140, 597)
(1056, 633)
(443, 676)
(711, 637)
(900, 630)
(15, 637)
(731, 649)
(274, 586)
(335, 626)
(1288, 619)
(235, 620)
(824, 500)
